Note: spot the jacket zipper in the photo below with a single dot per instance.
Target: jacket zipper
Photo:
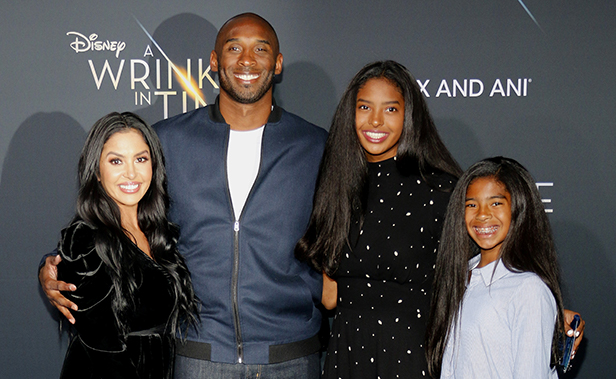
(236, 267)
(234, 291)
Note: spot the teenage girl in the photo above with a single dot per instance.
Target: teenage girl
(379, 206)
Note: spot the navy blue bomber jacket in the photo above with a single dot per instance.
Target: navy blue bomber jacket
(258, 301)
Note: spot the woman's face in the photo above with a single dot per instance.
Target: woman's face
(126, 168)
(379, 119)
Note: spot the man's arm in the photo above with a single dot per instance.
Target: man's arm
(48, 278)
(579, 331)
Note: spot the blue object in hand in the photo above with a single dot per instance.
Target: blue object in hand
(566, 360)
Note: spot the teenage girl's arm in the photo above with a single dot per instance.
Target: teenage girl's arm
(330, 292)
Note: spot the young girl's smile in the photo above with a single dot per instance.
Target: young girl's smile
(488, 216)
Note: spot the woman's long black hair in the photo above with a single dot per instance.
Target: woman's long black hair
(99, 210)
(341, 185)
(528, 247)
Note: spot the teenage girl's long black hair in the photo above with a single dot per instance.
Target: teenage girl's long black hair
(99, 210)
(341, 184)
(528, 247)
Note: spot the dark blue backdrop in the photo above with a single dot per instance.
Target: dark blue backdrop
(533, 80)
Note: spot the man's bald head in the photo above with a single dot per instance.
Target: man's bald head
(246, 19)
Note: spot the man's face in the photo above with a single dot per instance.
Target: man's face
(246, 58)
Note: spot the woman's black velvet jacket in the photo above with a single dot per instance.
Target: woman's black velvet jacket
(98, 349)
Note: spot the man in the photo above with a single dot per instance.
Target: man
(241, 177)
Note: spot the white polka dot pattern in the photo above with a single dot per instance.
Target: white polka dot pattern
(384, 280)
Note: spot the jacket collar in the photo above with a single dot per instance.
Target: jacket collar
(216, 116)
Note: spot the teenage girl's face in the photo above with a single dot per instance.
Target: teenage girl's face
(379, 119)
(126, 169)
(488, 216)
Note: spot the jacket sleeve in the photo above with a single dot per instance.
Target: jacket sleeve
(95, 323)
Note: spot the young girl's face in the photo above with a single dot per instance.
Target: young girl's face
(379, 119)
(488, 216)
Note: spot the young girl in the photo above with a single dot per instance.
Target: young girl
(496, 304)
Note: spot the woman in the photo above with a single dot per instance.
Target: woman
(134, 291)
(380, 201)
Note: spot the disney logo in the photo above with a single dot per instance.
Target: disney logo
(83, 43)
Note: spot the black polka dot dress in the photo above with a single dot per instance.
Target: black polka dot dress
(384, 280)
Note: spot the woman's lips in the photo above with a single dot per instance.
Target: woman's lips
(130, 187)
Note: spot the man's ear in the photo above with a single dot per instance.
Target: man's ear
(214, 61)
(278, 67)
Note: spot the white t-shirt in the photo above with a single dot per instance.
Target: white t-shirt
(243, 160)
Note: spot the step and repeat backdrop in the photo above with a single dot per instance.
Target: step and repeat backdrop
(529, 79)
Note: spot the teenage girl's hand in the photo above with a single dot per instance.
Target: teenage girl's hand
(579, 332)
(48, 277)
(330, 292)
